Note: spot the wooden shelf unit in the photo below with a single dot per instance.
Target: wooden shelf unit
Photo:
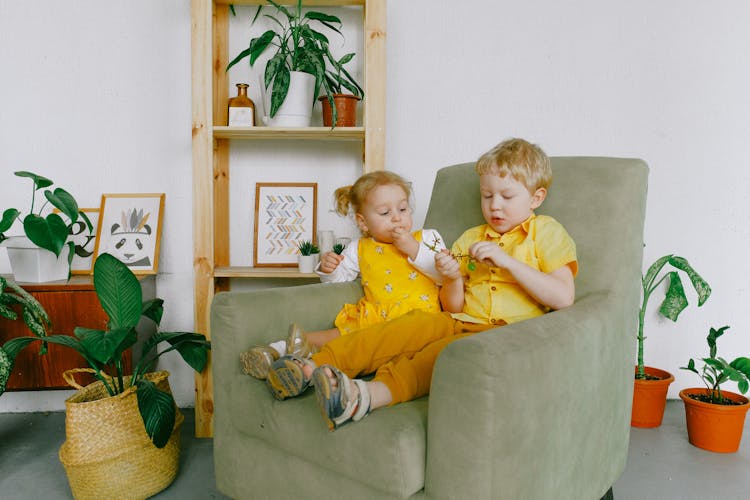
(211, 139)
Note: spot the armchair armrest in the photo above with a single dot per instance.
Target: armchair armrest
(534, 406)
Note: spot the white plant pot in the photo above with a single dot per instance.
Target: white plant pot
(296, 110)
(307, 263)
(31, 264)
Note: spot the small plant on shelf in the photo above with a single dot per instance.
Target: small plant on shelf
(717, 370)
(307, 248)
(338, 248)
(674, 301)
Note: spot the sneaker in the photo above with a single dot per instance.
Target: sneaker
(297, 343)
(257, 360)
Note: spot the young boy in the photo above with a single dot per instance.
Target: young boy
(516, 266)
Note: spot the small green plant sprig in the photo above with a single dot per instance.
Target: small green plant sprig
(471, 264)
(674, 300)
(717, 370)
(307, 248)
(51, 231)
(338, 248)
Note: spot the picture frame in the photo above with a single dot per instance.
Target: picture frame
(83, 236)
(130, 229)
(285, 215)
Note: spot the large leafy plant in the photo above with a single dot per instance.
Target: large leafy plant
(119, 293)
(51, 231)
(299, 47)
(674, 301)
(717, 370)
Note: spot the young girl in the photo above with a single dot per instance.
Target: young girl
(397, 268)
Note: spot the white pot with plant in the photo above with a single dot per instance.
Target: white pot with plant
(296, 72)
(308, 256)
(652, 384)
(44, 252)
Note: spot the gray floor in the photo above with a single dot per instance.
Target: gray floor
(662, 464)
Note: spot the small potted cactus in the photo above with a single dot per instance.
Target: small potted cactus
(308, 256)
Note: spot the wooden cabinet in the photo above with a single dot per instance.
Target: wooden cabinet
(211, 141)
(69, 304)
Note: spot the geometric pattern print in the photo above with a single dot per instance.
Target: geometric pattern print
(285, 220)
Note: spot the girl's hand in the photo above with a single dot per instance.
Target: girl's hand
(329, 261)
(490, 253)
(405, 242)
(447, 266)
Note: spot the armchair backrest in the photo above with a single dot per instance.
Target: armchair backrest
(600, 201)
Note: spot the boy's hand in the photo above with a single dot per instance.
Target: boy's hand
(329, 261)
(490, 253)
(447, 266)
(405, 242)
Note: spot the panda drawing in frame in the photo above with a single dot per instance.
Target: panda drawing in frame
(129, 229)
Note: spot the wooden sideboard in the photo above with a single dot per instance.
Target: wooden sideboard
(69, 304)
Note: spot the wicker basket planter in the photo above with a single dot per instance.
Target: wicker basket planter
(107, 453)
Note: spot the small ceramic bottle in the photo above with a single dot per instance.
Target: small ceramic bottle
(241, 108)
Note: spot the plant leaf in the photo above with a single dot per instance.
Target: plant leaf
(118, 290)
(742, 364)
(39, 181)
(157, 410)
(675, 301)
(153, 309)
(49, 233)
(9, 217)
(280, 89)
(63, 201)
(104, 346)
(699, 284)
(193, 347)
(650, 275)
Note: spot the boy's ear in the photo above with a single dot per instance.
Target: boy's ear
(538, 197)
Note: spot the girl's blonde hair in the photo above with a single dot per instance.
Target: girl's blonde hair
(520, 159)
(355, 196)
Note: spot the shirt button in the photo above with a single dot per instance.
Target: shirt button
(494, 288)
(502, 244)
(493, 321)
(493, 271)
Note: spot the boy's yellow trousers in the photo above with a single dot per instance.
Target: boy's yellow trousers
(401, 352)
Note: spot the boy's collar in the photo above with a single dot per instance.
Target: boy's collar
(489, 232)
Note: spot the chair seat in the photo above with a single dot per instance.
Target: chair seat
(395, 466)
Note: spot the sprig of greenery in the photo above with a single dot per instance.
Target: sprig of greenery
(471, 264)
(338, 248)
(307, 248)
(717, 370)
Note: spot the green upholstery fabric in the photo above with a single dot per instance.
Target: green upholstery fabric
(537, 409)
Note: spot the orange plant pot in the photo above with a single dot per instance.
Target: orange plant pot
(650, 398)
(346, 109)
(714, 427)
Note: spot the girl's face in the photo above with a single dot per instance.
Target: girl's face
(506, 202)
(386, 209)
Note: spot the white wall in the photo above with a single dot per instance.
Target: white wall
(95, 94)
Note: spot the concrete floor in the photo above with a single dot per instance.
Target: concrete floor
(662, 465)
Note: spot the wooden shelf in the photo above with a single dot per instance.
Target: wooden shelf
(306, 3)
(293, 133)
(260, 272)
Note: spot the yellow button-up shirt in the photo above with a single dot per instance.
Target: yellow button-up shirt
(492, 296)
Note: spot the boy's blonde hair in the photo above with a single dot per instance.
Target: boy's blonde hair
(520, 159)
(355, 196)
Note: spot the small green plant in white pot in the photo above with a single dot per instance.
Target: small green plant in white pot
(308, 256)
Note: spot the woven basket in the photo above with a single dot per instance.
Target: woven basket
(107, 453)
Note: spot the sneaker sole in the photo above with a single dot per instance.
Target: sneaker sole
(255, 364)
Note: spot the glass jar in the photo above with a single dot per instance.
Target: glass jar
(241, 108)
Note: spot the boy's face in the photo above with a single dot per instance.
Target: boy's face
(506, 202)
(386, 209)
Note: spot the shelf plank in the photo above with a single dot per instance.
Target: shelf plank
(261, 272)
(295, 133)
(307, 3)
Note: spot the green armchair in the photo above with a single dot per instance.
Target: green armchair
(537, 409)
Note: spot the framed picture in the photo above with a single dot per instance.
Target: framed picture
(130, 229)
(83, 235)
(285, 214)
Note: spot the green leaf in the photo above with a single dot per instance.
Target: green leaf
(16, 345)
(259, 45)
(153, 310)
(653, 271)
(675, 301)
(273, 66)
(319, 16)
(742, 364)
(63, 201)
(699, 284)
(9, 217)
(49, 233)
(348, 57)
(280, 89)
(118, 290)
(39, 181)
(193, 347)
(157, 410)
(6, 367)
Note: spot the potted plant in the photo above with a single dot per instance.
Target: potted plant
(120, 423)
(340, 109)
(298, 66)
(44, 254)
(651, 384)
(308, 255)
(32, 312)
(715, 418)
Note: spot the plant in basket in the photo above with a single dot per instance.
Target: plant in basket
(651, 384)
(714, 418)
(119, 293)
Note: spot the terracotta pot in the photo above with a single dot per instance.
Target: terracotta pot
(714, 427)
(346, 107)
(650, 398)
